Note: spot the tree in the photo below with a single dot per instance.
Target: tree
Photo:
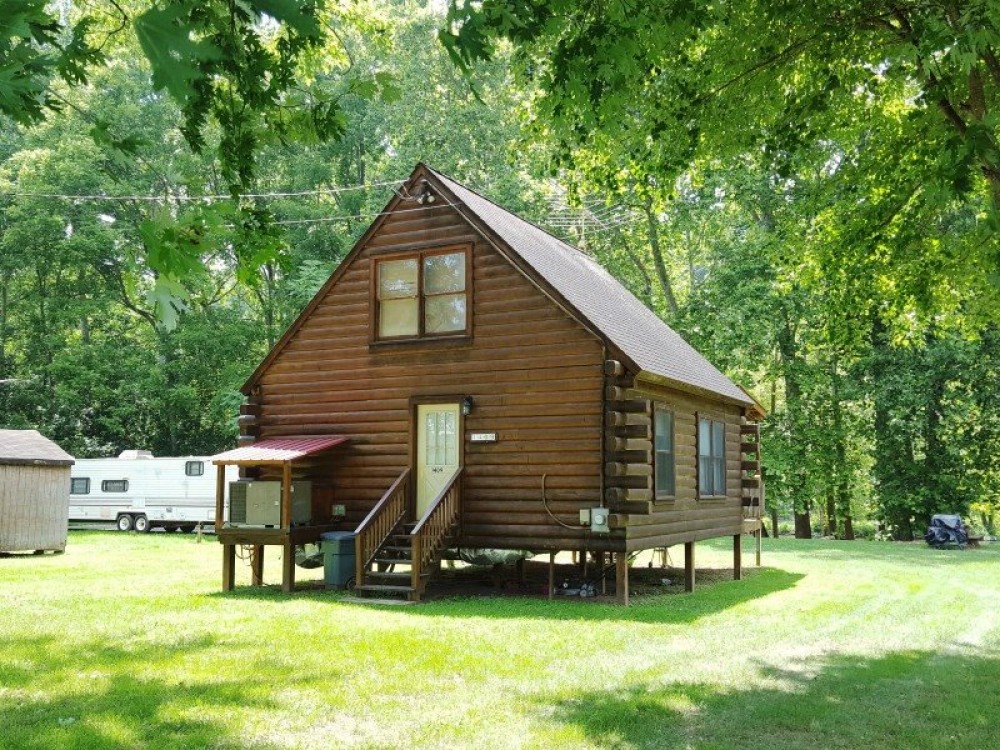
(665, 84)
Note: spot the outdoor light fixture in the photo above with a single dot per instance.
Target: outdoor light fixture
(426, 196)
(467, 406)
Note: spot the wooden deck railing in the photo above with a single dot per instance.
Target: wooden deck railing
(428, 536)
(379, 524)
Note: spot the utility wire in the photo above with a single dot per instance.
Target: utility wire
(162, 198)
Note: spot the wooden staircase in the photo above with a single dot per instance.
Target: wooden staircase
(396, 557)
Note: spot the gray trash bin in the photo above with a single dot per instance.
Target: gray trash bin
(338, 558)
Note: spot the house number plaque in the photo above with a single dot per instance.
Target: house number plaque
(482, 437)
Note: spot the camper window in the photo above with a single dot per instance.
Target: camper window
(114, 485)
(79, 486)
(194, 468)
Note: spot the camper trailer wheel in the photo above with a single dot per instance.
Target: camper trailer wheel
(141, 524)
(188, 528)
(124, 523)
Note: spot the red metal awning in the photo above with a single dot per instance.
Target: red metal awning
(279, 449)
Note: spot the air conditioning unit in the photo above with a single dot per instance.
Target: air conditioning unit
(238, 503)
(259, 503)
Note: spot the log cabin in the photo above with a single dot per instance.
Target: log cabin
(465, 379)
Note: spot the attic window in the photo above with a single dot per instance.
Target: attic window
(422, 295)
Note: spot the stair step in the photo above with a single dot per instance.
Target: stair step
(392, 561)
(386, 574)
(384, 588)
(394, 548)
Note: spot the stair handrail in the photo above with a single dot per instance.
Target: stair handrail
(427, 537)
(380, 522)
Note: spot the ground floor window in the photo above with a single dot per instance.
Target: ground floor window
(663, 442)
(711, 458)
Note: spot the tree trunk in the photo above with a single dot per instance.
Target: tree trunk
(774, 522)
(848, 529)
(803, 525)
(791, 364)
(662, 274)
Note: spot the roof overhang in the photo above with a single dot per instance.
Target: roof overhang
(645, 376)
(276, 451)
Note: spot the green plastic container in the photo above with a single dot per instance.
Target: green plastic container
(338, 558)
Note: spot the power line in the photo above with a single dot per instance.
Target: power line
(184, 198)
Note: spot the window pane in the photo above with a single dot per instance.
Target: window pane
(664, 430)
(444, 273)
(398, 317)
(444, 313)
(719, 476)
(664, 473)
(397, 279)
(704, 437)
(704, 475)
(718, 439)
(194, 468)
(79, 486)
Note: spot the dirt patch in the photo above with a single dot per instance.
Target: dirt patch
(571, 581)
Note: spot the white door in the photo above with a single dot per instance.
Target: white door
(437, 451)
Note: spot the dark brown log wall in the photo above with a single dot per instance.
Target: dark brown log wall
(687, 517)
(535, 374)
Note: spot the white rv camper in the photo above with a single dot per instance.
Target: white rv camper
(138, 491)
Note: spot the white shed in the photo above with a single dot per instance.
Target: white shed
(34, 492)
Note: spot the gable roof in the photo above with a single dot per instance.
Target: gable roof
(31, 448)
(600, 299)
(574, 279)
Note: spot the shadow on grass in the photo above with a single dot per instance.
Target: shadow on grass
(902, 700)
(659, 608)
(103, 696)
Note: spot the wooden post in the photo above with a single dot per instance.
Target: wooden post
(286, 496)
(220, 493)
(621, 577)
(760, 533)
(228, 566)
(600, 567)
(689, 566)
(552, 574)
(257, 567)
(288, 567)
(737, 557)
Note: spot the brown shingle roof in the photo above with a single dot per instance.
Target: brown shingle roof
(652, 345)
(32, 448)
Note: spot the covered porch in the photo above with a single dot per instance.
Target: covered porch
(288, 461)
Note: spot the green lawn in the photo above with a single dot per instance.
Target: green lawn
(126, 642)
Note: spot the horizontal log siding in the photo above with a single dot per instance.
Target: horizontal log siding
(686, 518)
(534, 373)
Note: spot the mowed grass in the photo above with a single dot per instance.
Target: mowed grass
(126, 642)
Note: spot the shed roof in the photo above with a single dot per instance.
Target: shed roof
(31, 448)
(279, 449)
(599, 298)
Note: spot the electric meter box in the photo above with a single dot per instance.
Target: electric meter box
(596, 519)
